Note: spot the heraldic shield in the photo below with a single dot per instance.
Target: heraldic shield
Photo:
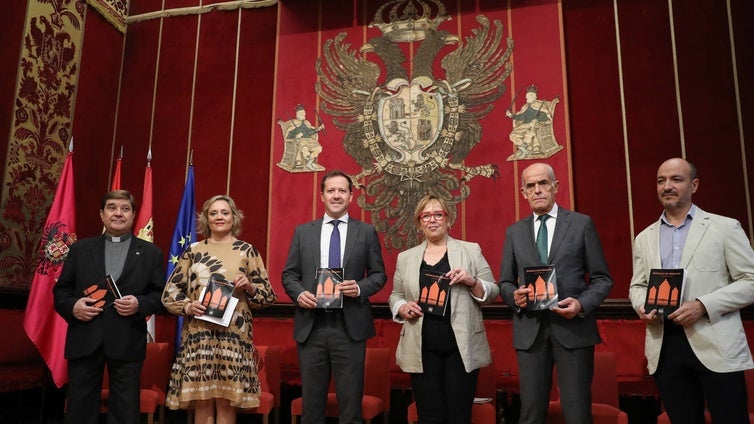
(410, 120)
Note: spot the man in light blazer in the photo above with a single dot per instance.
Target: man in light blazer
(697, 354)
(333, 341)
(566, 334)
(114, 335)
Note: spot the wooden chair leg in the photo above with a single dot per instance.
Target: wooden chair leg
(265, 419)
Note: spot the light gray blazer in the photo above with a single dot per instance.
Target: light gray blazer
(719, 264)
(465, 312)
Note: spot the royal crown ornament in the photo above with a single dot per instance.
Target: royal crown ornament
(409, 20)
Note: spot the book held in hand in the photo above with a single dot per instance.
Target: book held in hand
(104, 292)
(543, 287)
(219, 302)
(216, 297)
(664, 290)
(434, 292)
(328, 295)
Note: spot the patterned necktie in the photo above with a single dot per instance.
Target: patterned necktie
(542, 238)
(334, 258)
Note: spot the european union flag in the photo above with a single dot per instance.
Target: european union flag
(183, 234)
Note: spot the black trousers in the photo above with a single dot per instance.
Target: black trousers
(685, 385)
(444, 392)
(85, 387)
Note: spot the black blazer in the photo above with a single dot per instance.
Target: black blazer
(581, 272)
(362, 261)
(122, 338)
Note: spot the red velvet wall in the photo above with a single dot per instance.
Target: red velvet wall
(614, 173)
(177, 95)
(12, 21)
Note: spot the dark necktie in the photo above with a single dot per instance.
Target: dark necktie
(542, 238)
(334, 258)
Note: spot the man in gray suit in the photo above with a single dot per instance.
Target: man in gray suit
(564, 335)
(697, 354)
(333, 341)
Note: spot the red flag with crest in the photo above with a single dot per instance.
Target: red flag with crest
(45, 328)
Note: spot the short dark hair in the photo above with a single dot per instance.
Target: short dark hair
(693, 173)
(335, 173)
(118, 194)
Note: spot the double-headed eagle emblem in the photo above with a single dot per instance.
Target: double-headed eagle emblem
(410, 130)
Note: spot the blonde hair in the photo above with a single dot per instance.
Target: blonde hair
(202, 224)
(422, 203)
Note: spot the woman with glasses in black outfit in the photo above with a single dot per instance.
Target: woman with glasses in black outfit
(438, 288)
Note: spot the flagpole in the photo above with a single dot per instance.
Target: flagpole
(144, 228)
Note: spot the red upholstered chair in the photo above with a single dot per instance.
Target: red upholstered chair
(155, 374)
(376, 398)
(269, 376)
(604, 394)
(484, 412)
(749, 374)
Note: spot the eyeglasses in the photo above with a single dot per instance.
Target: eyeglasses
(438, 216)
(546, 185)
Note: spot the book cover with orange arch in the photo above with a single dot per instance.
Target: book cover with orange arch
(664, 290)
(434, 293)
(543, 287)
(328, 295)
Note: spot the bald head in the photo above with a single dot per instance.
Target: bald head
(676, 183)
(538, 186)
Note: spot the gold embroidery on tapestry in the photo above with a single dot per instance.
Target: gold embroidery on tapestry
(411, 137)
(41, 129)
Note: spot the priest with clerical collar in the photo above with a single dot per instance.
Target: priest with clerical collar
(113, 335)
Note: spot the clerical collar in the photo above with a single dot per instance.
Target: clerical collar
(117, 239)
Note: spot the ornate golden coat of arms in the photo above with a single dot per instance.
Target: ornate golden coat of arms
(411, 133)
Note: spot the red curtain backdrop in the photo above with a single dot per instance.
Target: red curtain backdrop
(492, 205)
(622, 100)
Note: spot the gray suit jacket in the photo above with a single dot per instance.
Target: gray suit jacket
(362, 261)
(719, 264)
(465, 315)
(581, 273)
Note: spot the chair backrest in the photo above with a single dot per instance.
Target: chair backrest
(377, 374)
(269, 374)
(155, 373)
(486, 386)
(604, 382)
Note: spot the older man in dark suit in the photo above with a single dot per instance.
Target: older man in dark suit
(564, 335)
(114, 334)
(333, 341)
